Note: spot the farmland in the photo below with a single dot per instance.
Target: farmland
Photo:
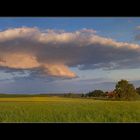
(60, 109)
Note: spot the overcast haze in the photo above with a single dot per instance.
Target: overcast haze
(57, 55)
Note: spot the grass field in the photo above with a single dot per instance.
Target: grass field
(59, 109)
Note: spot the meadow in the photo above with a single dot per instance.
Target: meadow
(60, 109)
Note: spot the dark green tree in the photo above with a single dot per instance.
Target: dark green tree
(83, 95)
(95, 93)
(138, 90)
(125, 90)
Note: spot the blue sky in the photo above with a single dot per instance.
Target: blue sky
(15, 79)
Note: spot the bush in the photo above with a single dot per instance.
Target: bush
(96, 93)
(138, 90)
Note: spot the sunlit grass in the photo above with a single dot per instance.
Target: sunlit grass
(57, 109)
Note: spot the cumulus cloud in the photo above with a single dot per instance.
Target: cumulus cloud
(53, 52)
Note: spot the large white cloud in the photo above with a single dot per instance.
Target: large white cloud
(54, 52)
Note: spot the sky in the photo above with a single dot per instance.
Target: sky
(68, 54)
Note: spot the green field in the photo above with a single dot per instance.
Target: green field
(59, 109)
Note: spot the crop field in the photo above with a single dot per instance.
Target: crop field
(60, 109)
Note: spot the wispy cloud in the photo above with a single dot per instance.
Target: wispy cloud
(137, 35)
(138, 27)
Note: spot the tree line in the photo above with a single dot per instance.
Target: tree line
(123, 90)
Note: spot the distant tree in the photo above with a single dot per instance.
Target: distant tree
(125, 90)
(106, 92)
(83, 95)
(72, 95)
(95, 93)
(138, 90)
(68, 95)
